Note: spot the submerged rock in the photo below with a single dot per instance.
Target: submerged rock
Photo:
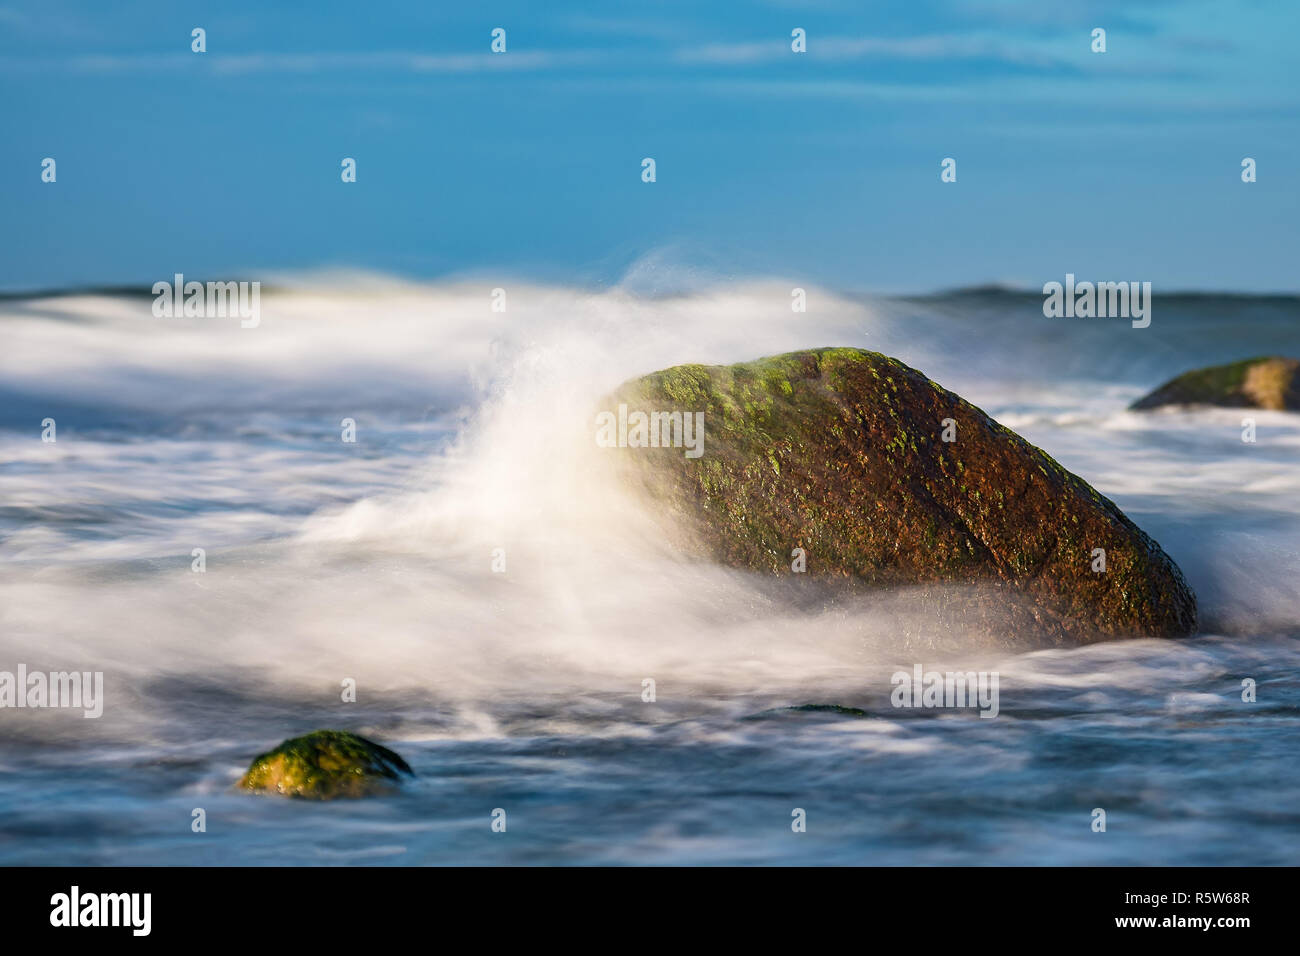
(840, 452)
(326, 764)
(1271, 383)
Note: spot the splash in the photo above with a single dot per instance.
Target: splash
(476, 545)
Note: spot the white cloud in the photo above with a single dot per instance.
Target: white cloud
(931, 47)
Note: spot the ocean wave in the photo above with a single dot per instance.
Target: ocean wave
(373, 561)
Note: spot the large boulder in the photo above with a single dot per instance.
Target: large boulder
(1271, 382)
(841, 452)
(326, 764)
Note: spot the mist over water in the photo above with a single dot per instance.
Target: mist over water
(475, 431)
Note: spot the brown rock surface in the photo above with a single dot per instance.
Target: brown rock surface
(839, 451)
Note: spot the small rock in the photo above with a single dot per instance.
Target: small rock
(1271, 383)
(326, 764)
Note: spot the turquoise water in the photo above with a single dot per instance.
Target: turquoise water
(522, 689)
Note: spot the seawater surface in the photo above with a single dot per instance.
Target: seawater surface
(522, 690)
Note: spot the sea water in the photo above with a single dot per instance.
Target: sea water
(201, 534)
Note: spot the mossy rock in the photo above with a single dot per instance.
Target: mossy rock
(839, 451)
(326, 764)
(1271, 383)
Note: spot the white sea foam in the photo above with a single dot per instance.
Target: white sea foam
(374, 562)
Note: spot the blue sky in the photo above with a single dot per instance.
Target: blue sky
(822, 167)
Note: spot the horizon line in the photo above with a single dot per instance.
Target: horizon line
(142, 290)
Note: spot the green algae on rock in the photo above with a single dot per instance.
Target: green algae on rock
(325, 764)
(839, 451)
(1271, 383)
